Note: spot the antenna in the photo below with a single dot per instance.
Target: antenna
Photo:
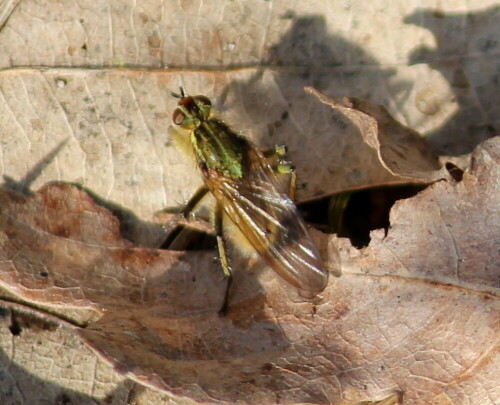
(177, 95)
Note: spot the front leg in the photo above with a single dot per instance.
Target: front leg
(176, 226)
(194, 201)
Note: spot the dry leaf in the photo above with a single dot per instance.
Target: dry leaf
(401, 150)
(398, 319)
(455, 229)
(41, 353)
(84, 98)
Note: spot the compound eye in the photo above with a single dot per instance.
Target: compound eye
(178, 117)
(204, 101)
(204, 106)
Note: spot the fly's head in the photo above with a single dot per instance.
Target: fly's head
(191, 111)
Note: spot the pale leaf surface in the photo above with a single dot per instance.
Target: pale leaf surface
(114, 118)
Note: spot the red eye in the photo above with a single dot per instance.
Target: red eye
(178, 117)
(187, 102)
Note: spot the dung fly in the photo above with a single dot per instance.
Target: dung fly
(248, 193)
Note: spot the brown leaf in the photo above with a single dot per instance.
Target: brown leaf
(62, 248)
(447, 234)
(394, 321)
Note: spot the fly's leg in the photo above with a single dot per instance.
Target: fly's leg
(283, 166)
(290, 169)
(221, 246)
(194, 201)
(173, 239)
(279, 150)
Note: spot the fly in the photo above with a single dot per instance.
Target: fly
(248, 193)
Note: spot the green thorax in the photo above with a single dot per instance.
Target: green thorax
(218, 148)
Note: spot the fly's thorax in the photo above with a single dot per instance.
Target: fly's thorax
(218, 148)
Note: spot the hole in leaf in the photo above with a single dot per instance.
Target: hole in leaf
(354, 214)
(455, 171)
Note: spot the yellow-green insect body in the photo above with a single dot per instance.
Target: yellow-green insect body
(217, 148)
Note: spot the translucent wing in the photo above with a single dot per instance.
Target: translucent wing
(269, 220)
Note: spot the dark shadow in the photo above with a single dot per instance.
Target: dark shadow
(18, 385)
(310, 56)
(354, 214)
(131, 228)
(307, 44)
(307, 55)
(23, 186)
(467, 55)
